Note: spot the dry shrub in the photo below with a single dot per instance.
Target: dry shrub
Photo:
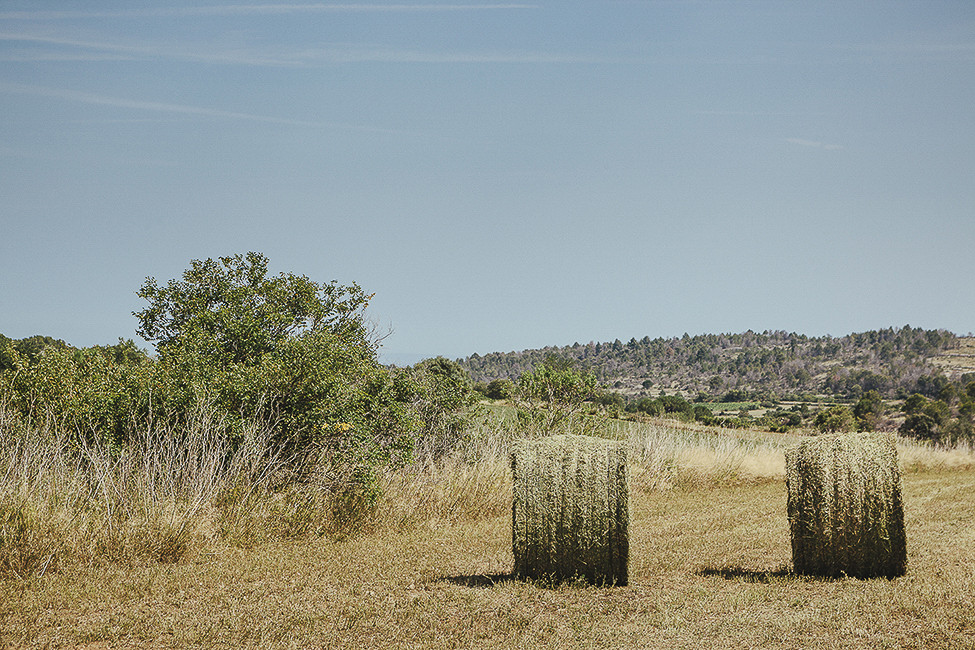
(570, 511)
(28, 544)
(845, 508)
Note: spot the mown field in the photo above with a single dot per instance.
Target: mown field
(710, 566)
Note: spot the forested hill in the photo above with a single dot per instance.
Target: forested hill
(891, 361)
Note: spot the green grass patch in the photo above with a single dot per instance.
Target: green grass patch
(731, 407)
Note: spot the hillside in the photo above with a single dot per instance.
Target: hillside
(892, 361)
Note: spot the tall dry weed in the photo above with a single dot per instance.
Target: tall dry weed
(169, 495)
(667, 454)
(157, 499)
(918, 456)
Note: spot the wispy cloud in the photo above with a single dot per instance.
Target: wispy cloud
(259, 9)
(758, 113)
(124, 51)
(392, 55)
(163, 107)
(814, 144)
(306, 57)
(38, 56)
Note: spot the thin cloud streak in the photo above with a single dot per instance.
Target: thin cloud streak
(759, 113)
(262, 9)
(38, 57)
(407, 56)
(304, 58)
(137, 51)
(162, 107)
(814, 144)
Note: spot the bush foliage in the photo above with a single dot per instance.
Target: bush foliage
(282, 350)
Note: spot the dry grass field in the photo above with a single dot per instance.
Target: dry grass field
(710, 566)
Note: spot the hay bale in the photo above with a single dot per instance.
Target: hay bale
(845, 508)
(570, 512)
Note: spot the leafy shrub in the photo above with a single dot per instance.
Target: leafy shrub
(93, 392)
(927, 419)
(500, 389)
(703, 414)
(280, 350)
(833, 419)
(735, 396)
(445, 403)
(285, 350)
(868, 410)
(554, 394)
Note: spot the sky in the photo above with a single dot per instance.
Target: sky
(503, 176)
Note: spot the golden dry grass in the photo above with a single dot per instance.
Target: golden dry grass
(708, 569)
(430, 566)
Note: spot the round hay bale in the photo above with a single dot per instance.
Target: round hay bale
(570, 511)
(846, 512)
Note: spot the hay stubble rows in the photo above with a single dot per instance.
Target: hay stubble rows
(709, 566)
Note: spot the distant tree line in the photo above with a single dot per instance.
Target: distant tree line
(894, 362)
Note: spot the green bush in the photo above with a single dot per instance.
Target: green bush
(868, 410)
(285, 350)
(445, 404)
(95, 392)
(555, 395)
(280, 350)
(500, 389)
(834, 419)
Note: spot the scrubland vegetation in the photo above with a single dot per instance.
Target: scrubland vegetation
(263, 481)
(176, 546)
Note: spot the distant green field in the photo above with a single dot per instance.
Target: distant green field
(734, 407)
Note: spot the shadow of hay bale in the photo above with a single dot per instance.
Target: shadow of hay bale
(781, 574)
(480, 581)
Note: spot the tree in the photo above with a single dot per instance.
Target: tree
(232, 311)
(914, 404)
(868, 410)
(555, 381)
(282, 349)
(835, 418)
(925, 418)
(554, 393)
(445, 403)
(500, 389)
(28, 349)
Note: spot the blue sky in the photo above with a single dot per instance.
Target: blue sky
(502, 175)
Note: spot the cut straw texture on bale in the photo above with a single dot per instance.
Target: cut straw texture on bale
(570, 511)
(845, 508)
